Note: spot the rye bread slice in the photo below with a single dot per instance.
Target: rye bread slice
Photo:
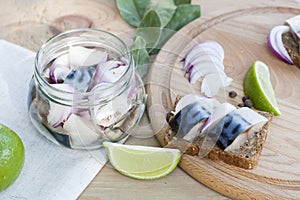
(246, 156)
(291, 44)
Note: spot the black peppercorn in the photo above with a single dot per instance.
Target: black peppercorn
(248, 103)
(232, 94)
(241, 105)
(245, 98)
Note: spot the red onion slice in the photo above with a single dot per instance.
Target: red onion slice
(207, 47)
(106, 115)
(59, 69)
(276, 45)
(82, 57)
(204, 58)
(205, 61)
(99, 89)
(131, 89)
(203, 68)
(59, 74)
(81, 131)
(115, 73)
(199, 53)
(109, 71)
(211, 83)
(58, 113)
(84, 113)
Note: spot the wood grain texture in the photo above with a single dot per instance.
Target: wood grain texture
(29, 23)
(243, 35)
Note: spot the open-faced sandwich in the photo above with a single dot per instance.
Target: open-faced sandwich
(201, 126)
(283, 40)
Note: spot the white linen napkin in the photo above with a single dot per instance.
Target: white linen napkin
(50, 171)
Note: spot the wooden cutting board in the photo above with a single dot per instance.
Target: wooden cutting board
(243, 35)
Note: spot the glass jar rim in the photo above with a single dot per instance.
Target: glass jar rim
(91, 30)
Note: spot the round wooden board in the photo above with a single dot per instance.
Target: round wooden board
(243, 35)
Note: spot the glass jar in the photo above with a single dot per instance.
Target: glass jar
(85, 90)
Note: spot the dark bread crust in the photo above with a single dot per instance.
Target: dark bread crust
(246, 157)
(291, 44)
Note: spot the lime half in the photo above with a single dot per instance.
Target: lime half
(11, 156)
(142, 162)
(258, 87)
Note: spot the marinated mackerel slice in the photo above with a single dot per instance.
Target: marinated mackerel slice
(209, 133)
(243, 153)
(188, 117)
(247, 155)
(218, 114)
(80, 78)
(237, 127)
(186, 100)
(194, 114)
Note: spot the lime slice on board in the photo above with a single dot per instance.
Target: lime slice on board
(11, 156)
(142, 162)
(258, 87)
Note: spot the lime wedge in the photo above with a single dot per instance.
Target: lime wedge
(258, 87)
(11, 156)
(142, 162)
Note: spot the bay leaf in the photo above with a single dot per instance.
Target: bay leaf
(132, 10)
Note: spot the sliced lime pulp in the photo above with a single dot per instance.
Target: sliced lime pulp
(258, 87)
(142, 162)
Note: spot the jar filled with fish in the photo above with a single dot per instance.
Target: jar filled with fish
(85, 90)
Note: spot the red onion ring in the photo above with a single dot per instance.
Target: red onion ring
(276, 45)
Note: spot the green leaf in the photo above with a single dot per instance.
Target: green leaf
(140, 56)
(150, 29)
(179, 2)
(157, 21)
(184, 14)
(151, 19)
(164, 37)
(132, 10)
(164, 8)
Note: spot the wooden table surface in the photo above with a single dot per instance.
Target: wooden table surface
(30, 22)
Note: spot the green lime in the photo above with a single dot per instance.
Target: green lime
(142, 162)
(258, 87)
(11, 156)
